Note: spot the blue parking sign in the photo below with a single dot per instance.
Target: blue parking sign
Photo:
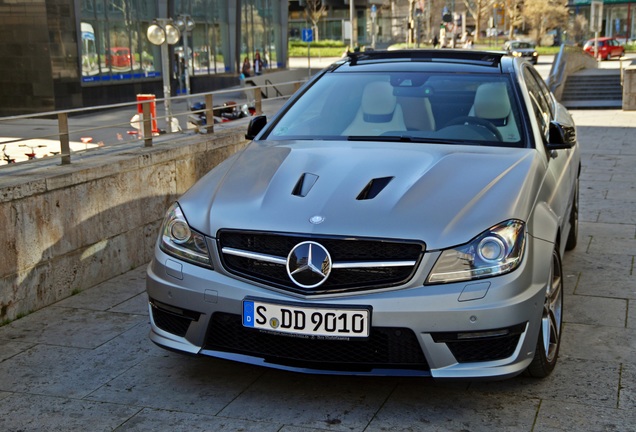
(308, 35)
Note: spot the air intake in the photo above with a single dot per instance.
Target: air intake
(373, 188)
(304, 184)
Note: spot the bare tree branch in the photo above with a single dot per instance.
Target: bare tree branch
(314, 11)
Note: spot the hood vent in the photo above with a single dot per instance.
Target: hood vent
(304, 184)
(373, 188)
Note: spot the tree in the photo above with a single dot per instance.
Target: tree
(314, 11)
(578, 28)
(515, 16)
(544, 15)
(477, 9)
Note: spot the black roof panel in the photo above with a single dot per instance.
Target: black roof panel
(435, 60)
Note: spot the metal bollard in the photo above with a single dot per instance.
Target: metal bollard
(65, 147)
(209, 113)
(147, 124)
(258, 106)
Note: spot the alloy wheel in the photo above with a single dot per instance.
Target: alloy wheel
(553, 311)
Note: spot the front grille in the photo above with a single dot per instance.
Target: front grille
(481, 349)
(341, 250)
(386, 347)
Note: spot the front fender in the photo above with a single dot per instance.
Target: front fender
(544, 224)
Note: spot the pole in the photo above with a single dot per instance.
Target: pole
(165, 71)
(186, 73)
(351, 13)
(308, 60)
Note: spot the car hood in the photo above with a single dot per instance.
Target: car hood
(443, 195)
(524, 50)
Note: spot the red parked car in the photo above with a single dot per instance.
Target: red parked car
(608, 47)
(118, 57)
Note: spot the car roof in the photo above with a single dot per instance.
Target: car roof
(431, 60)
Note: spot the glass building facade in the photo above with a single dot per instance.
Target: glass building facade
(62, 54)
(618, 17)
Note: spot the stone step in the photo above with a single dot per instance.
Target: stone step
(593, 89)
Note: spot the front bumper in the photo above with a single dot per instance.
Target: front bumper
(478, 329)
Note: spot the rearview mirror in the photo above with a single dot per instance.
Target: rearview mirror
(561, 136)
(256, 125)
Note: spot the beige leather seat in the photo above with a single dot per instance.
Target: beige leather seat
(417, 112)
(493, 104)
(379, 111)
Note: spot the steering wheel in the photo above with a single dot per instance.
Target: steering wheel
(477, 121)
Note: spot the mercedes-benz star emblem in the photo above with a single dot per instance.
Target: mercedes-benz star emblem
(317, 219)
(308, 264)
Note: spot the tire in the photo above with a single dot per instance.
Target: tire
(549, 340)
(573, 235)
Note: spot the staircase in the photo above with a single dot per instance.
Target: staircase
(593, 88)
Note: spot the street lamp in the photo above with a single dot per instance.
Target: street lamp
(163, 32)
(185, 24)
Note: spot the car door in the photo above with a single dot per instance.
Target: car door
(616, 48)
(561, 174)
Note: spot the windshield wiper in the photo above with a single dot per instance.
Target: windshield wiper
(389, 138)
(402, 138)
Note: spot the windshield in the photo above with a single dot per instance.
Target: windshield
(521, 45)
(453, 108)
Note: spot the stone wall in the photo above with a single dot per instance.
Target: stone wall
(629, 87)
(570, 59)
(68, 228)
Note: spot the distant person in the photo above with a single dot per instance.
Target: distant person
(265, 60)
(246, 70)
(258, 63)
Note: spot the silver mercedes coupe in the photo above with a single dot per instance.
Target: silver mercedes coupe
(405, 213)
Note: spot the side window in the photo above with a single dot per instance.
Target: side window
(545, 91)
(540, 105)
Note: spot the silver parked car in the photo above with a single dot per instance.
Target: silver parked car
(523, 49)
(405, 213)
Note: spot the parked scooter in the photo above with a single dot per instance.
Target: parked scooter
(227, 112)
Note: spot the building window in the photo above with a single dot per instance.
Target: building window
(113, 42)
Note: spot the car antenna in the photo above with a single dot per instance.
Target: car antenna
(354, 56)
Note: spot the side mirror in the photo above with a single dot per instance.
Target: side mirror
(256, 125)
(561, 136)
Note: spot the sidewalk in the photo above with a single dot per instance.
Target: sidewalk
(87, 363)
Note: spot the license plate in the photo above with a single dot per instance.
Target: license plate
(303, 320)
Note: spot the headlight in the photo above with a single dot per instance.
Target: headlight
(179, 240)
(496, 251)
(516, 54)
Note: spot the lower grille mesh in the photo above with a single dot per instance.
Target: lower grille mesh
(169, 322)
(387, 347)
(484, 350)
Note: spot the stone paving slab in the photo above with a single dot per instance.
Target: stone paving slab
(413, 407)
(86, 362)
(555, 416)
(32, 412)
(174, 421)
